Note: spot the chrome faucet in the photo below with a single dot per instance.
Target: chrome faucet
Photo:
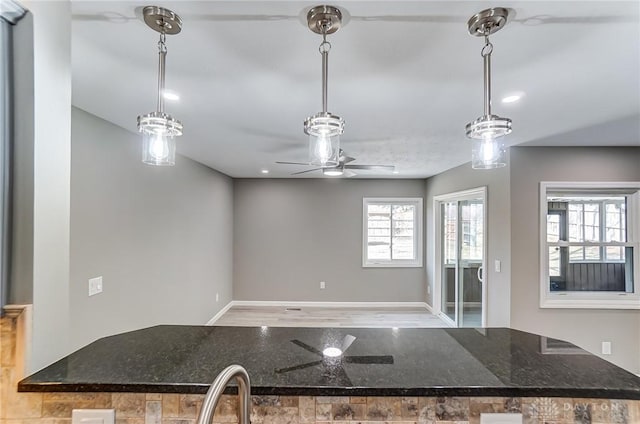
(216, 389)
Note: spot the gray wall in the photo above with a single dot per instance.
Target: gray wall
(40, 261)
(584, 327)
(160, 237)
(498, 238)
(21, 279)
(291, 234)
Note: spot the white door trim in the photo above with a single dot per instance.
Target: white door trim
(472, 193)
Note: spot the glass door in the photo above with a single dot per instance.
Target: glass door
(461, 259)
(449, 218)
(471, 248)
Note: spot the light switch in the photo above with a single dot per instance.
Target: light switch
(93, 416)
(95, 286)
(497, 265)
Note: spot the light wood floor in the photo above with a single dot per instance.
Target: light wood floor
(307, 316)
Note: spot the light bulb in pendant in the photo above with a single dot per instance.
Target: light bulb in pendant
(488, 152)
(323, 148)
(159, 148)
(488, 149)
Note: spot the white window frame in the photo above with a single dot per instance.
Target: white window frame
(590, 300)
(417, 232)
(602, 233)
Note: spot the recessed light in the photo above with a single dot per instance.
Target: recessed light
(332, 352)
(171, 95)
(265, 171)
(512, 98)
(395, 171)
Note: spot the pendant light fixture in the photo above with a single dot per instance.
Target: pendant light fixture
(159, 129)
(488, 149)
(324, 129)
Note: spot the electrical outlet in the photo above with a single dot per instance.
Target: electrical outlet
(95, 286)
(93, 416)
(217, 297)
(489, 418)
(606, 348)
(428, 288)
(322, 285)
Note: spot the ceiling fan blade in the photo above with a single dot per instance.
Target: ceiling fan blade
(380, 359)
(372, 167)
(347, 341)
(343, 158)
(292, 163)
(348, 173)
(297, 367)
(306, 347)
(308, 170)
(333, 376)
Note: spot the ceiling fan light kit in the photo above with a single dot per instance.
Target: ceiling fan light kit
(158, 128)
(333, 172)
(488, 149)
(324, 129)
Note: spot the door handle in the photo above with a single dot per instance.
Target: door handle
(480, 276)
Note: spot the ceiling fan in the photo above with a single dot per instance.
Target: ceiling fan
(344, 167)
(332, 361)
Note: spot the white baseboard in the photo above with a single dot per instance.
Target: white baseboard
(288, 303)
(221, 312)
(330, 304)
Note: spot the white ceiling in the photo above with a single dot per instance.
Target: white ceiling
(405, 76)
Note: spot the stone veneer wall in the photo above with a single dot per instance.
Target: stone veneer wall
(155, 408)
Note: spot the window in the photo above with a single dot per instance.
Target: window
(392, 232)
(589, 245)
(595, 220)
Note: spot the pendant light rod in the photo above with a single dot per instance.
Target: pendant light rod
(324, 20)
(324, 51)
(162, 58)
(166, 23)
(486, 54)
(483, 24)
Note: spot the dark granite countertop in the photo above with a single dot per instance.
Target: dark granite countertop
(379, 362)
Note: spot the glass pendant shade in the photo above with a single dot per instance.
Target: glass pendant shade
(488, 149)
(488, 153)
(159, 132)
(324, 131)
(324, 150)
